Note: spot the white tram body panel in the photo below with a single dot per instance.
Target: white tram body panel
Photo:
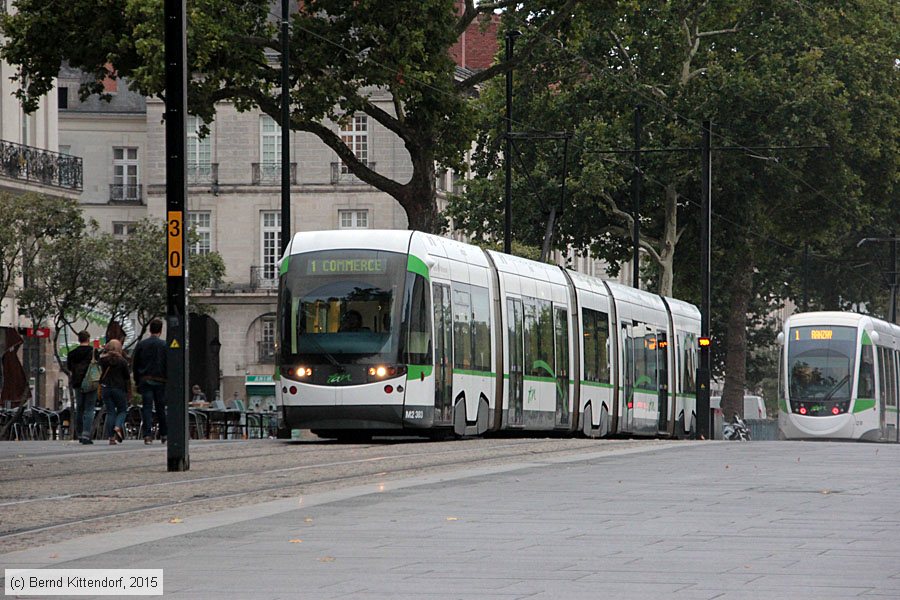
(384, 331)
(597, 356)
(683, 361)
(839, 375)
(641, 318)
(534, 302)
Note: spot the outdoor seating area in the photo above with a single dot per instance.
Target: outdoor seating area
(213, 423)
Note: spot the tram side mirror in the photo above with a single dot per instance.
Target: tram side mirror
(780, 338)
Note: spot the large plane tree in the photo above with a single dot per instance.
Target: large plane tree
(341, 52)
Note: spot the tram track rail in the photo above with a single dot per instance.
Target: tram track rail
(90, 499)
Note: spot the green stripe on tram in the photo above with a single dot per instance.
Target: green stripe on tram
(416, 371)
(866, 340)
(284, 265)
(475, 373)
(415, 264)
(862, 404)
(598, 384)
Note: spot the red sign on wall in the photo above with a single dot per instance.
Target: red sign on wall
(38, 332)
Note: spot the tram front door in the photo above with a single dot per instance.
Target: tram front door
(443, 344)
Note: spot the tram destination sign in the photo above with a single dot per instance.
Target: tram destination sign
(346, 266)
(823, 334)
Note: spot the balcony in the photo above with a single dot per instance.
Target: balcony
(126, 193)
(270, 173)
(27, 163)
(340, 174)
(202, 174)
(264, 278)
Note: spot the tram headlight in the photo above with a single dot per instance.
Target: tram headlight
(379, 372)
(300, 372)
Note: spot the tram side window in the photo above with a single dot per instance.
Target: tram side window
(545, 356)
(645, 375)
(538, 338)
(462, 327)
(596, 347)
(886, 373)
(481, 329)
(688, 363)
(416, 338)
(866, 386)
(532, 334)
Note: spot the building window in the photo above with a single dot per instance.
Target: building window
(353, 219)
(65, 149)
(267, 340)
(125, 174)
(271, 244)
(200, 223)
(356, 135)
(199, 152)
(122, 230)
(269, 141)
(62, 97)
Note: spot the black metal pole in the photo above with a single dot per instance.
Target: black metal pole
(507, 152)
(703, 372)
(178, 458)
(285, 128)
(636, 201)
(893, 311)
(805, 278)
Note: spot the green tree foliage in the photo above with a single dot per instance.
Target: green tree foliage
(768, 74)
(27, 223)
(134, 275)
(344, 54)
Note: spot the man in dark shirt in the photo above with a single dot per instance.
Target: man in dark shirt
(77, 362)
(149, 369)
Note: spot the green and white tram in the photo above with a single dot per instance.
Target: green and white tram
(838, 377)
(400, 332)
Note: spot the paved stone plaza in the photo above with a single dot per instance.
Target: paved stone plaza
(709, 520)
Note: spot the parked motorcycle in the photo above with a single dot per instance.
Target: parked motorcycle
(736, 430)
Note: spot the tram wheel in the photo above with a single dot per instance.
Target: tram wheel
(587, 426)
(603, 431)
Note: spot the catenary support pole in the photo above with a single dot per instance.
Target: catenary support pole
(636, 181)
(178, 458)
(285, 127)
(703, 372)
(507, 149)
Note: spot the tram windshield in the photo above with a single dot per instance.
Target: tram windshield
(821, 362)
(337, 307)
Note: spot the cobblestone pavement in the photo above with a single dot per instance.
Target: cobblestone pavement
(53, 491)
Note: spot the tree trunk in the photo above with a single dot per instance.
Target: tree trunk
(670, 239)
(736, 346)
(548, 235)
(419, 197)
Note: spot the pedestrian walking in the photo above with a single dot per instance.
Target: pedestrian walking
(77, 363)
(149, 367)
(115, 389)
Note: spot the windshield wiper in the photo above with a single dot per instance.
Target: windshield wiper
(836, 387)
(330, 358)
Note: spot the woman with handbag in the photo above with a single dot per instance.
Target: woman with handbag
(115, 382)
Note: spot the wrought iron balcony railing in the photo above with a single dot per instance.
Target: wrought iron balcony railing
(264, 277)
(28, 163)
(202, 173)
(340, 174)
(270, 173)
(127, 193)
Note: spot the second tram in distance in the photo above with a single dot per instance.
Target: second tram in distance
(838, 377)
(402, 332)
